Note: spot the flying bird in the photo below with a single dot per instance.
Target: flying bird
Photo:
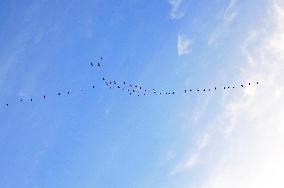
(31, 100)
(99, 65)
(256, 82)
(7, 104)
(118, 87)
(140, 87)
(124, 83)
(68, 92)
(242, 85)
(185, 90)
(249, 84)
(21, 100)
(93, 87)
(101, 57)
(103, 78)
(58, 93)
(92, 64)
(44, 96)
(173, 93)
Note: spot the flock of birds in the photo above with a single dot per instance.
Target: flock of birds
(133, 89)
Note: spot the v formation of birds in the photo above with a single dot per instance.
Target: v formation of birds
(138, 90)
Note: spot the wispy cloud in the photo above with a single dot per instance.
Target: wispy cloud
(230, 12)
(253, 121)
(176, 12)
(183, 45)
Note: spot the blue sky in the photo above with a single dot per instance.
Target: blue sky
(105, 138)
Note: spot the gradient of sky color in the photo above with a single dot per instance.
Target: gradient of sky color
(104, 138)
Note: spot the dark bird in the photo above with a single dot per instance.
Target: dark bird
(109, 82)
(160, 93)
(135, 86)
(154, 92)
(118, 87)
(58, 93)
(144, 94)
(7, 104)
(166, 93)
(190, 90)
(215, 88)
(101, 58)
(103, 78)
(133, 91)
(242, 85)
(257, 83)
(228, 87)
(198, 90)
(185, 90)
(138, 95)
(140, 87)
(249, 84)
(130, 85)
(21, 100)
(44, 96)
(92, 64)
(233, 87)
(224, 87)
(129, 93)
(99, 65)
(173, 93)
(145, 89)
(124, 83)
(93, 87)
(153, 89)
(68, 92)
(128, 90)
(31, 100)
(204, 90)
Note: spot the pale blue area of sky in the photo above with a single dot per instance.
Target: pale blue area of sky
(100, 137)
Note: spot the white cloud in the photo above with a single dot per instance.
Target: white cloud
(253, 122)
(176, 12)
(183, 45)
(230, 12)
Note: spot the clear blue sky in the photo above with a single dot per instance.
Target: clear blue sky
(106, 138)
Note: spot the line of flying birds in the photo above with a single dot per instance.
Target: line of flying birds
(137, 90)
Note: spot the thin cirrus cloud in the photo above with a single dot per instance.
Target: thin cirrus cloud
(252, 123)
(176, 11)
(183, 45)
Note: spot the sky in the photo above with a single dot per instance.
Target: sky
(101, 137)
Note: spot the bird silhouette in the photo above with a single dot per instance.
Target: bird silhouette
(101, 58)
(93, 87)
(198, 90)
(92, 64)
(228, 87)
(124, 83)
(135, 86)
(215, 88)
(58, 93)
(173, 93)
(21, 100)
(249, 84)
(68, 92)
(204, 90)
(31, 100)
(224, 87)
(257, 83)
(7, 104)
(242, 85)
(140, 87)
(103, 78)
(44, 96)
(118, 87)
(185, 90)
(99, 65)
